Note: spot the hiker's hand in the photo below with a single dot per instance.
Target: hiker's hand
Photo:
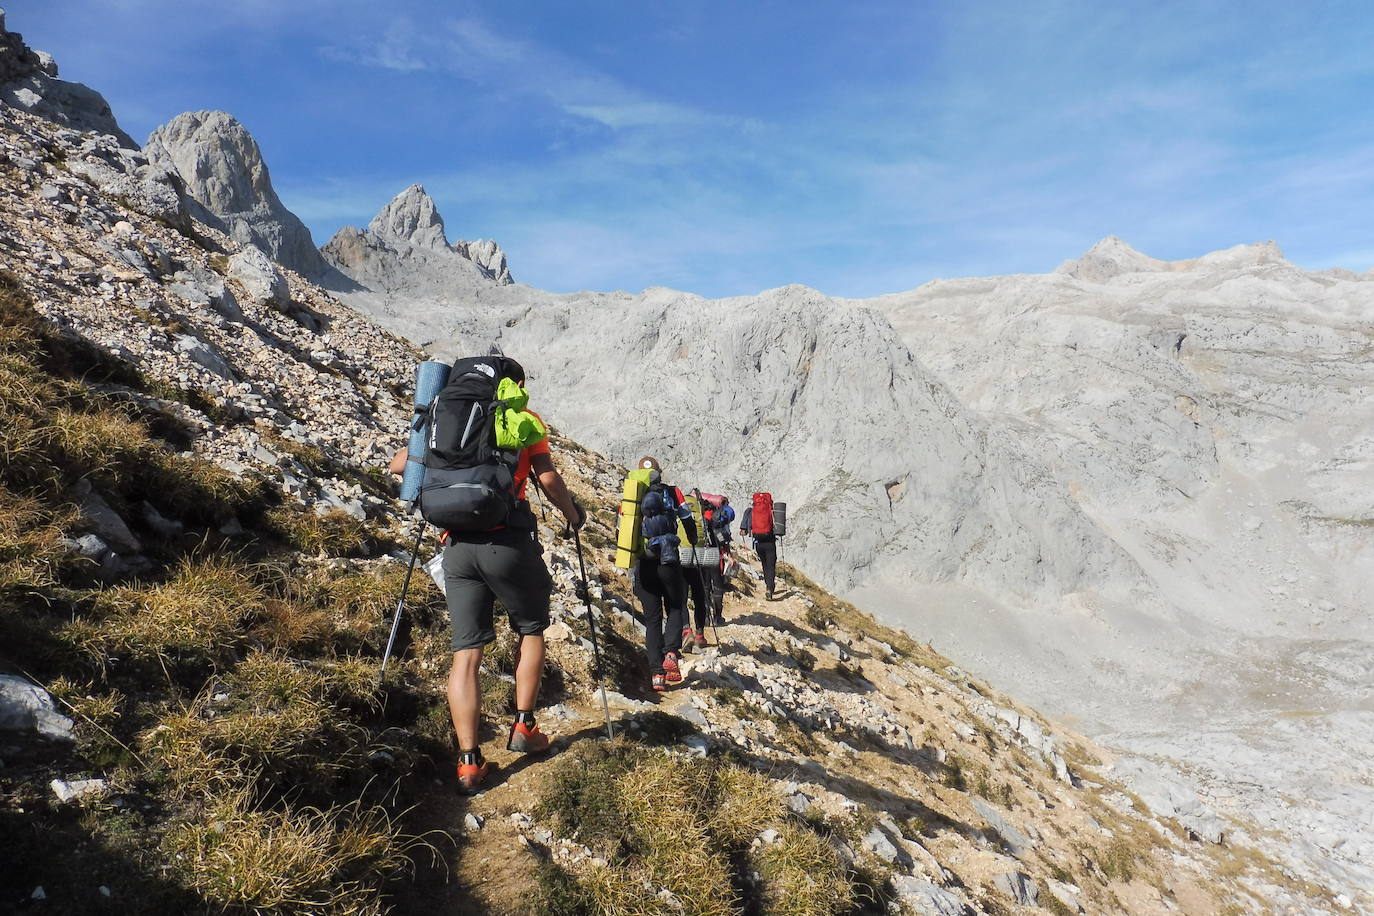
(580, 590)
(576, 524)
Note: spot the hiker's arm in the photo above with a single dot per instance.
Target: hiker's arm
(398, 461)
(551, 482)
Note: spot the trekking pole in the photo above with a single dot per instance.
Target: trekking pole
(400, 603)
(591, 624)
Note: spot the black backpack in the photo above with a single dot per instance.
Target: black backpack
(469, 482)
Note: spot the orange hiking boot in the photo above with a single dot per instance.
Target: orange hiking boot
(526, 739)
(672, 674)
(659, 683)
(471, 775)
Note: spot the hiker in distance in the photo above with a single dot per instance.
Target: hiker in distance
(659, 581)
(705, 582)
(758, 521)
(491, 548)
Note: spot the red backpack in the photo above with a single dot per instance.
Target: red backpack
(761, 515)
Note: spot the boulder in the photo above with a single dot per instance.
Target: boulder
(262, 282)
(1018, 887)
(205, 355)
(1016, 841)
(148, 189)
(917, 895)
(97, 515)
(27, 707)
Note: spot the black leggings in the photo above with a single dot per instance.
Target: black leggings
(707, 588)
(768, 555)
(663, 595)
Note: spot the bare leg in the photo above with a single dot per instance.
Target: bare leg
(529, 668)
(465, 695)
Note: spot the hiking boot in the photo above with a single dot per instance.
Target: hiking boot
(687, 644)
(527, 739)
(471, 775)
(671, 672)
(660, 683)
(700, 640)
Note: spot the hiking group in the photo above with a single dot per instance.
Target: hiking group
(473, 450)
(675, 546)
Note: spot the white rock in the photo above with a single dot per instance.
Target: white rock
(27, 707)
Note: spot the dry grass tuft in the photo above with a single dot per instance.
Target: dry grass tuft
(247, 860)
(196, 616)
(334, 533)
(676, 831)
(802, 875)
(271, 724)
(31, 552)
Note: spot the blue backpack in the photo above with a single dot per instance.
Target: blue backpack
(658, 524)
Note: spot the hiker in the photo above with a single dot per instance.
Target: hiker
(500, 563)
(659, 582)
(719, 516)
(757, 521)
(706, 583)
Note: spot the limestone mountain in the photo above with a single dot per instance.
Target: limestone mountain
(1044, 485)
(224, 172)
(1137, 490)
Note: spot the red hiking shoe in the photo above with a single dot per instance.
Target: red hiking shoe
(659, 683)
(672, 674)
(471, 776)
(688, 643)
(526, 739)
(700, 639)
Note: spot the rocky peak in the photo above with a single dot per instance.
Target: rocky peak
(405, 248)
(411, 216)
(224, 171)
(28, 81)
(1111, 257)
(486, 254)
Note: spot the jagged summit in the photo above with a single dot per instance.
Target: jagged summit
(411, 216)
(1112, 257)
(28, 81)
(224, 171)
(404, 250)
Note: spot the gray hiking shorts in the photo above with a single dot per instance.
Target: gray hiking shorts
(507, 566)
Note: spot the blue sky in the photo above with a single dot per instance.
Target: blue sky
(730, 147)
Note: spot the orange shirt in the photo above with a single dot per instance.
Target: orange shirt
(522, 469)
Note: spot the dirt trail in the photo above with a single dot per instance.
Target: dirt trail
(493, 866)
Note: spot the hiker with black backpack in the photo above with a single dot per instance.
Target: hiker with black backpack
(659, 579)
(760, 520)
(483, 445)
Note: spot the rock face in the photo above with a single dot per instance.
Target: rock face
(404, 268)
(28, 81)
(223, 170)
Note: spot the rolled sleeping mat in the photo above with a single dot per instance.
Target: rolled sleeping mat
(699, 556)
(628, 542)
(430, 378)
(779, 519)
